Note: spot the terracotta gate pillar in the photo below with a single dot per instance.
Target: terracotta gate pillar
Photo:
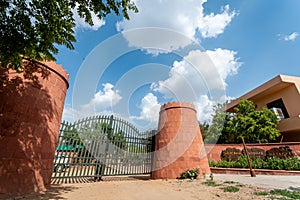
(179, 144)
(31, 105)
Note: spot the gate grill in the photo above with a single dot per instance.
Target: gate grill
(102, 146)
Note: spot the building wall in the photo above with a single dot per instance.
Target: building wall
(289, 127)
(290, 96)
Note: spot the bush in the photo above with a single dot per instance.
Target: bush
(231, 189)
(190, 173)
(270, 163)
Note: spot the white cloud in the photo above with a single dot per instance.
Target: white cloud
(80, 22)
(214, 24)
(200, 78)
(225, 61)
(182, 17)
(291, 37)
(103, 99)
(204, 107)
(101, 103)
(199, 73)
(149, 109)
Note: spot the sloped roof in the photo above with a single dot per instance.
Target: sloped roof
(277, 83)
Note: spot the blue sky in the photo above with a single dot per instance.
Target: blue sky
(203, 52)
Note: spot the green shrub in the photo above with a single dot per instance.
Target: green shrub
(261, 193)
(231, 189)
(211, 183)
(270, 163)
(286, 193)
(190, 174)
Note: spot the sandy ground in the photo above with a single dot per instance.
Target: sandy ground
(139, 189)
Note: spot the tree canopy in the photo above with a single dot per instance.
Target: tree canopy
(254, 125)
(30, 29)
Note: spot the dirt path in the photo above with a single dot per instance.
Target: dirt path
(147, 190)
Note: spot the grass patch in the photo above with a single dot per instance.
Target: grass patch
(279, 194)
(211, 183)
(286, 193)
(231, 189)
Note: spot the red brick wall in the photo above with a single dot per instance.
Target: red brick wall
(214, 150)
(179, 145)
(30, 115)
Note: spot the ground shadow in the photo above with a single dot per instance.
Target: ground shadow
(56, 181)
(296, 189)
(53, 192)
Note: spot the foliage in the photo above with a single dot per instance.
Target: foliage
(231, 189)
(33, 29)
(204, 129)
(270, 163)
(218, 129)
(286, 193)
(190, 174)
(211, 183)
(261, 193)
(280, 194)
(105, 130)
(255, 126)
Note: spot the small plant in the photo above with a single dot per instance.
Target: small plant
(231, 189)
(286, 193)
(211, 183)
(211, 176)
(190, 174)
(204, 175)
(279, 194)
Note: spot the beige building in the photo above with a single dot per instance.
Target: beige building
(281, 95)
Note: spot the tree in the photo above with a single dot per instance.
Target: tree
(255, 126)
(31, 29)
(218, 131)
(203, 129)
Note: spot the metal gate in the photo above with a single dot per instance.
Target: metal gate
(102, 146)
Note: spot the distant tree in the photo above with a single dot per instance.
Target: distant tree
(32, 29)
(218, 132)
(204, 129)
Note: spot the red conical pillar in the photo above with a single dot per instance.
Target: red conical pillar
(31, 105)
(179, 144)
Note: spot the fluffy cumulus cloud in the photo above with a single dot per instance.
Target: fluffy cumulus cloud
(183, 17)
(199, 73)
(204, 107)
(104, 98)
(200, 78)
(149, 109)
(225, 61)
(214, 24)
(81, 24)
(102, 102)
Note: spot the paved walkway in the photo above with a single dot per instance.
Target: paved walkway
(266, 181)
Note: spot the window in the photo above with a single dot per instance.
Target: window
(278, 108)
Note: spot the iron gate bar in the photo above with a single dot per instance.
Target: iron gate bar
(111, 143)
